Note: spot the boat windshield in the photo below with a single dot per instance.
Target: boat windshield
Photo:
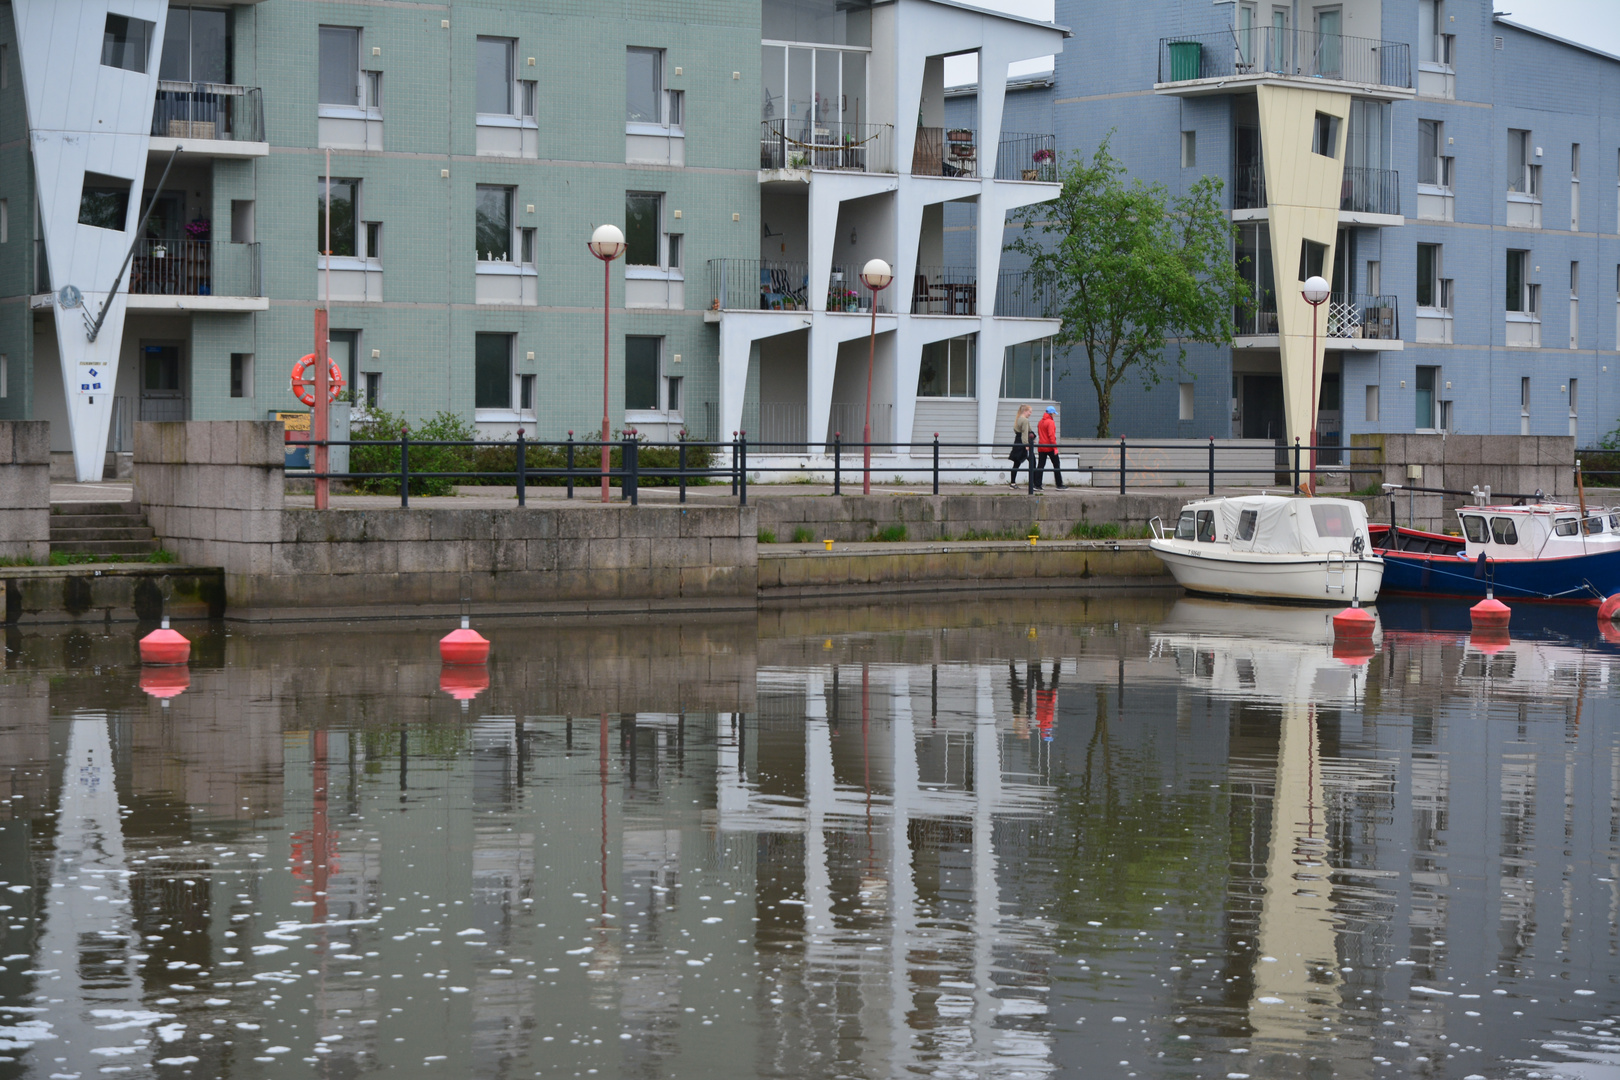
(1185, 529)
(1503, 531)
(1474, 527)
(1206, 526)
(1333, 521)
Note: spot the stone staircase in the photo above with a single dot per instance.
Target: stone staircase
(101, 528)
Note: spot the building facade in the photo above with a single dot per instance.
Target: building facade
(1452, 174)
(193, 163)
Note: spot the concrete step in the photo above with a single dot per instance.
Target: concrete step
(79, 509)
(97, 521)
(119, 532)
(104, 547)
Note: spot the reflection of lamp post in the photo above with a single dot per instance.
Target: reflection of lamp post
(607, 243)
(875, 275)
(1314, 292)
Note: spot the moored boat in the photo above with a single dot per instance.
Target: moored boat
(1273, 547)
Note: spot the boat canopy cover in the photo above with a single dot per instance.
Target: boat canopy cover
(1273, 524)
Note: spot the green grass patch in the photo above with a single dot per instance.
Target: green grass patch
(766, 536)
(162, 556)
(803, 535)
(892, 534)
(1374, 488)
(75, 558)
(1108, 530)
(17, 560)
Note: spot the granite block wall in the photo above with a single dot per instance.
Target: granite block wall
(25, 490)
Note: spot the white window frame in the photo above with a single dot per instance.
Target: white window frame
(363, 107)
(667, 373)
(671, 255)
(359, 260)
(971, 366)
(1526, 187)
(1445, 164)
(512, 413)
(671, 121)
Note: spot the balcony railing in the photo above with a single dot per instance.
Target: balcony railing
(1356, 316)
(194, 268)
(208, 111)
(1268, 50)
(1027, 157)
(945, 290)
(1020, 296)
(769, 285)
(1249, 187)
(1370, 191)
(847, 292)
(945, 152)
(803, 144)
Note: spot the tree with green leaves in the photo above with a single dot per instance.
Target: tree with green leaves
(1131, 267)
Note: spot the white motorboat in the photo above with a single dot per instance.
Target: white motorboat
(1273, 547)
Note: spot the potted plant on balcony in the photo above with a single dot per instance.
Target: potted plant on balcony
(198, 229)
(959, 135)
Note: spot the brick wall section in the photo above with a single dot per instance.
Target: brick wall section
(1509, 464)
(25, 490)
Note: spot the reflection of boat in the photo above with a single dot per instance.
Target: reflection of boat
(1557, 622)
(1257, 652)
(1271, 547)
(1546, 552)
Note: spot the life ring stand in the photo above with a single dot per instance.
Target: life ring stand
(303, 386)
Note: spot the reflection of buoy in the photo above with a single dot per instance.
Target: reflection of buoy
(1489, 640)
(463, 681)
(1609, 610)
(1353, 623)
(165, 681)
(1610, 632)
(1490, 612)
(464, 646)
(1353, 651)
(165, 646)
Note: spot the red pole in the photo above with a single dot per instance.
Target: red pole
(607, 296)
(866, 431)
(322, 409)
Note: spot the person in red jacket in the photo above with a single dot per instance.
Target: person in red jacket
(1046, 443)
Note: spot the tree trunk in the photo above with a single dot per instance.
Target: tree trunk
(1105, 410)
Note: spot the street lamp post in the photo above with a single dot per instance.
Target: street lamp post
(1314, 292)
(875, 275)
(606, 243)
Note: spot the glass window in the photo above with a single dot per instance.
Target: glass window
(1503, 531)
(1424, 397)
(241, 375)
(339, 82)
(644, 86)
(1325, 135)
(1246, 520)
(126, 42)
(1429, 151)
(343, 348)
(1185, 527)
(496, 57)
(344, 199)
(947, 368)
(1519, 162)
(829, 22)
(1515, 279)
(1428, 272)
(196, 46)
(1312, 257)
(1592, 525)
(493, 227)
(642, 218)
(1206, 526)
(1566, 527)
(492, 371)
(1334, 521)
(642, 356)
(1026, 370)
(104, 202)
(1427, 28)
(1474, 529)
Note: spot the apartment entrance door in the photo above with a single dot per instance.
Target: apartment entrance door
(162, 382)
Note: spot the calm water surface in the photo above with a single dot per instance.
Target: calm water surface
(1013, 838)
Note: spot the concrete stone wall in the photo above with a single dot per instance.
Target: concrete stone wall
(25, 490)
(950, 517)
(1509, 464)
(902, 568)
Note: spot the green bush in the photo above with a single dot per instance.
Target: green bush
(380, 425)
(803, 535)
(161, 556)
(766, 536)
(1088, 530)
(891, 534)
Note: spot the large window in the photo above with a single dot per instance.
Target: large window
(948, 368)
(1424, 398)
(497, 70)
(643, 219)
(643, 370)
(339, 81)
(1521, 294)
(104, 202)
(1325, 135)
(1523, 174)
(1434, 164)
(1428, 276)
(807, 88)
(644, 86)
(1312, 257)
(1026, 371)
(196, 45)
(127, 42)
(492, 371)
(343, 347)
(345, 204)
(827, 22)
(493, 225)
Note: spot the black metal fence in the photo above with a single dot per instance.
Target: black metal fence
(1370, 191)
(826, 144)
(185, 110)
(1026, 156)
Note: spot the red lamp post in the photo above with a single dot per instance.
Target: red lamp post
(607, 243)
(875, 275)
(1314, 292)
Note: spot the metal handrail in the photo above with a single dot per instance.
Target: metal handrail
(1269, 50)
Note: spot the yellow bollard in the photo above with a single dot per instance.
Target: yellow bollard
(1033, 537)
(828, 543)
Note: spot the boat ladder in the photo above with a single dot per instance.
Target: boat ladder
(1335, 572)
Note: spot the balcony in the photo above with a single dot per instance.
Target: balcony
(945, 290)
(1020, 296)
(180, 275)
(1370, 191)
(1249, 187)
(1027, 157)
(188, 113)
(1345, 319)
(771, 285)
(945, 152)
(1269, 53)
(799, 144)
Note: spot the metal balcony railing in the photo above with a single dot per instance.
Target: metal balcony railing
(1027, 157)
(770, 285)
(1268, 50)
(805, 144)
(186, 110)
(194, 268)
(1354, 316)
(945, 290)
(1370, 191)
(1249, 187)
(1020, 296)
(945, 152)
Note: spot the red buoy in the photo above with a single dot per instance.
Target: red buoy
(463, 681)
(1489, 640)
(1609, 610)
(1353, 651)
(165, 646)
(1353, 622)
(165, 682)
(1490, 612)
(464, 646)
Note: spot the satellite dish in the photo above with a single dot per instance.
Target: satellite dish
(69, 296)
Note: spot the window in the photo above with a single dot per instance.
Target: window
(373, 240)
(1185, 401)
(1521, 294)
(1312, 257)
(1434, 167)
(196, 46)
(242, 223)
(1246, 520)
(1185, 527)
(1332, 521)
(1574, 187)
(497, 65)
(643, 364)
(1574, 403)
(1325, 135)
(343, 347)
(374, 81)
(493, 225)
(1189, 149)
(241, 375)
(104, 202)
(344, 199)
(643, 219)
(1375, 278)
(1372, 403)
(644, 86)
(1524, 175)
(1424, 398)
(1428, 275)
(1475, 529)
(1329, 44)
(947, 369)
(1026, 370)
(492, 371)
(529, 91)
(1503, 530)
(1428, 29)
(527, 244)
(371, 395)
(5, 221)
(526, 393)
(1574, 305)
(339, 80)
(1524, 400)
(126, 42)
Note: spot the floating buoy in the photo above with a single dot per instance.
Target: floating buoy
(464, 646)
(165, 646)
(165, 681)
(1490, 612)
(1353, 623)
(1609, 610)
(1489, 640)
(463, 681)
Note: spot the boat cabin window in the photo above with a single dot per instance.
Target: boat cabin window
(1333, 521)
(1503, 531)
(1614, 522)
(1566, 527)
(1245, 529)
(1184, 526)
(1206, 526)
(1474, 526)
(1594, 525)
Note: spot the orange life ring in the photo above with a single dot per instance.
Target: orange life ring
(303, 386)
